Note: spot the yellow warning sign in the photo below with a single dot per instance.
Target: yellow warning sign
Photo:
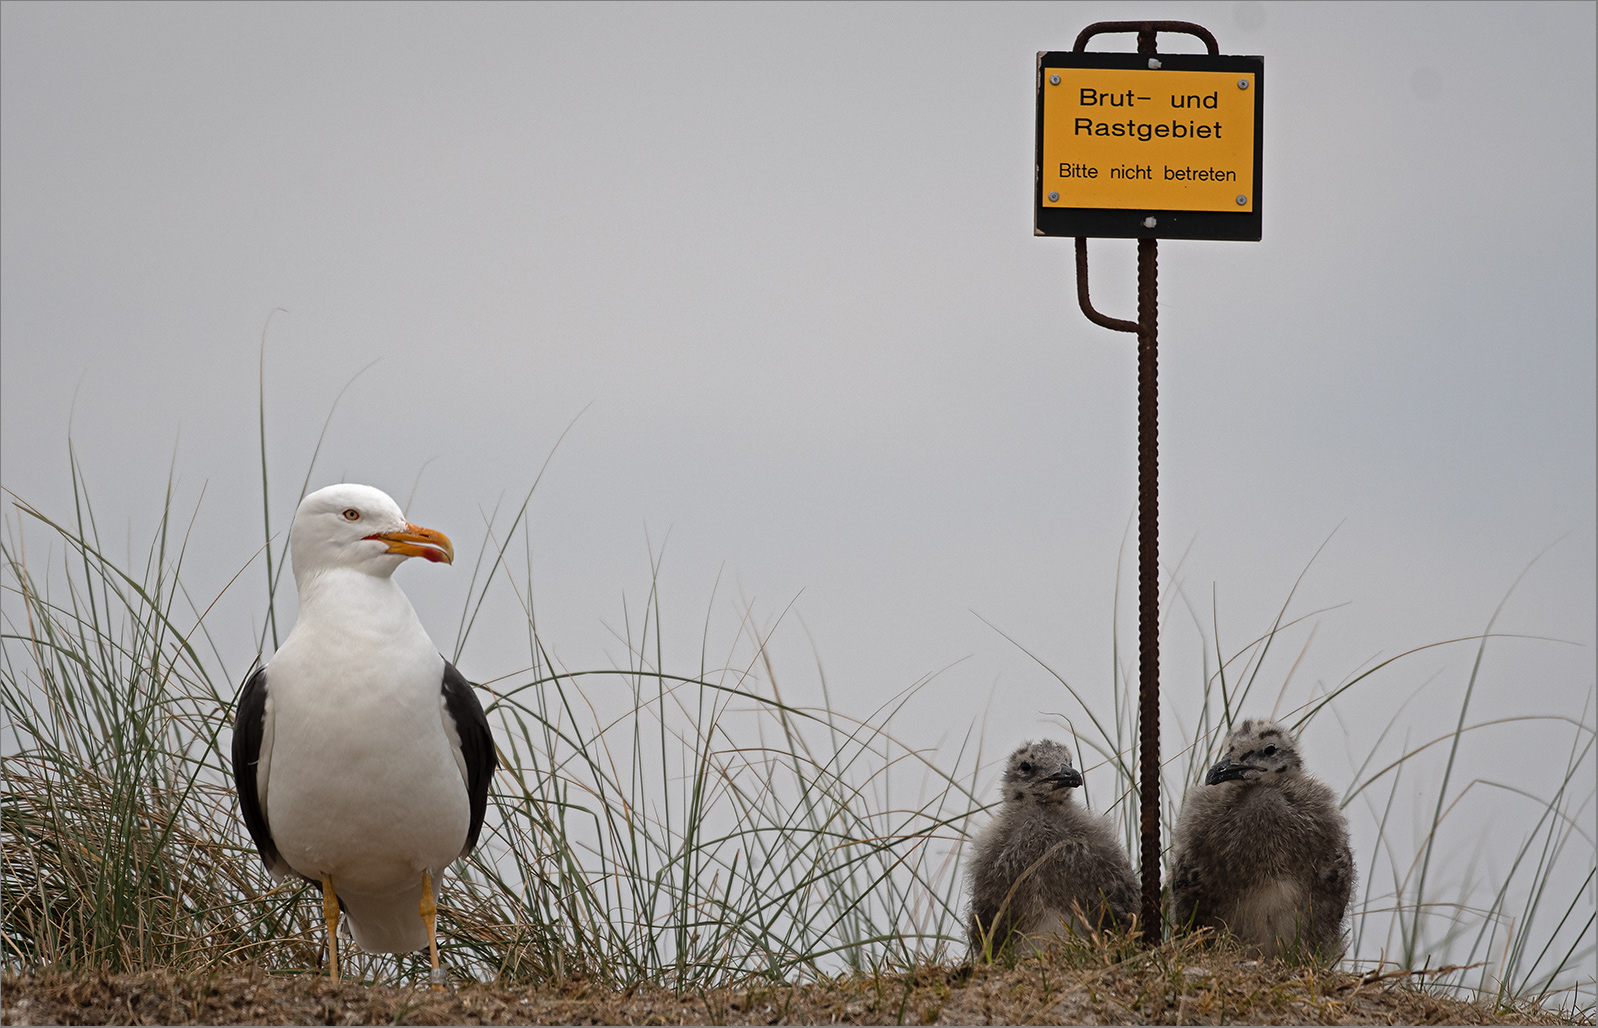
(1148, 139)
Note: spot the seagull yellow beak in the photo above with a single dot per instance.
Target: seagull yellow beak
(416, 541)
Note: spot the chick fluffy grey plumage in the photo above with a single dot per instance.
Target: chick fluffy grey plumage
(1045, 867)
(1262, 850)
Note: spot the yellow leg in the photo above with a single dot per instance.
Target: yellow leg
(430, 918)
(330, 911)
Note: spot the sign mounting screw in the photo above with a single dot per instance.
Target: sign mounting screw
(1242, 83)
(1242, 201)
(1150, 221)
(1054, 80)
(1054, 197)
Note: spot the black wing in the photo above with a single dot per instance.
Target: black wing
(477, 746)
(249, 721)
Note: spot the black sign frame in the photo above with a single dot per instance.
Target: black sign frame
(1129, 223)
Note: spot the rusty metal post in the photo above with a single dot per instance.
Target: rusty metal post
(1148, 564)
(1148, 578)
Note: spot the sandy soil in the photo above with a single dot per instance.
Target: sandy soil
(1139, 991)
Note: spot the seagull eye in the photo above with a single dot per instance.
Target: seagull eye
(1025, 768)
(351, 514)
(1270, 751)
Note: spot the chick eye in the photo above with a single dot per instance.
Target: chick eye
(1270, 751)
(1025, 768)
(351, 514)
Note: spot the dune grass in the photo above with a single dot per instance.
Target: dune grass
(647, 825)
(685, 827)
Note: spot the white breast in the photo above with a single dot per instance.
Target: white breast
(364, 784)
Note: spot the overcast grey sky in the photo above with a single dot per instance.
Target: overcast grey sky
(779, 259)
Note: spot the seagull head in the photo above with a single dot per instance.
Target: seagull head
(1256, 750)
(359, 528)
(1040, 772)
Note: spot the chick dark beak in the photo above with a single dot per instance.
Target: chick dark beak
(1226, 771)
(1066, 778)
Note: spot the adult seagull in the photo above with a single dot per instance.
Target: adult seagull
(361, 756)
